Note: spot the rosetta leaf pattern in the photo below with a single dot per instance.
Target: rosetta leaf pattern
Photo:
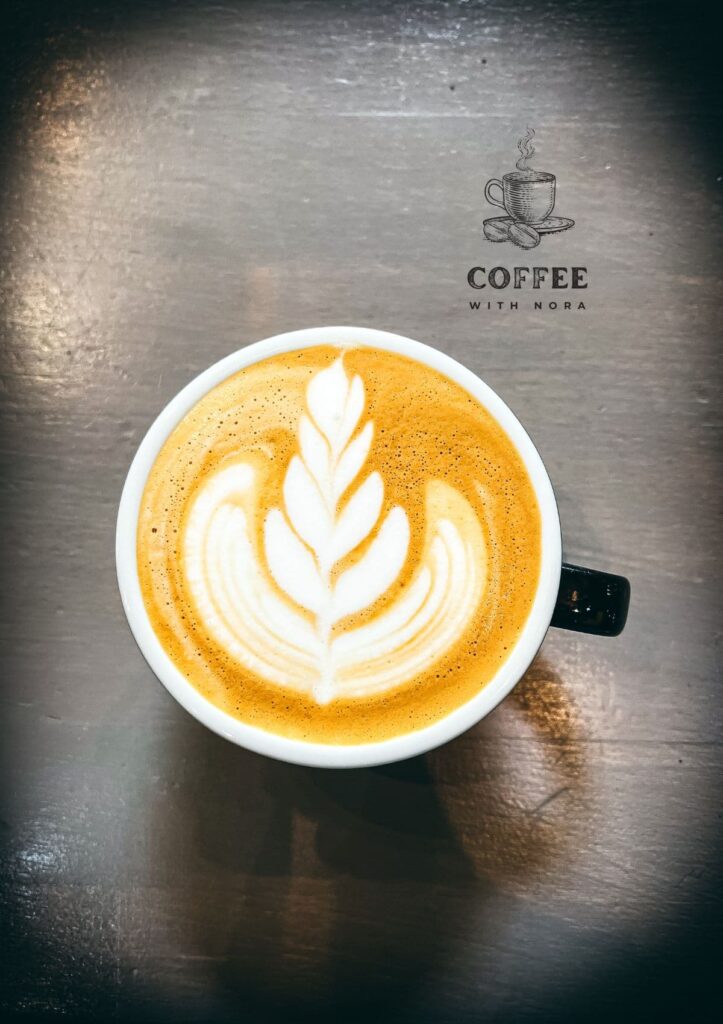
(327, 515)
(282, 616)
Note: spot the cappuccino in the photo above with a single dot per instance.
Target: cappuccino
(338, 545)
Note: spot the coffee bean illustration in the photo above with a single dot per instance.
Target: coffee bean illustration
(496, 230)
(523, 235)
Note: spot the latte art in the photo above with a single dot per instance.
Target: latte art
(330, 509)
(324, 545)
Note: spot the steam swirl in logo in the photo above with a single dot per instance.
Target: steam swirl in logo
(527, 150)
(281, 606)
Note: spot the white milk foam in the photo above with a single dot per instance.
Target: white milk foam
(280, 611)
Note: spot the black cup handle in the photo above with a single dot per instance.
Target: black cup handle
(591, 602)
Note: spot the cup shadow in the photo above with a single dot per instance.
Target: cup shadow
(333, 895)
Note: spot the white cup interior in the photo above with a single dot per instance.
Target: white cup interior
(299, 751)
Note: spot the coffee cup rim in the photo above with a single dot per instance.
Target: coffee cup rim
(539, 176)
(283, 748)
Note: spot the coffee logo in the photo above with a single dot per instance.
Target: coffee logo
(282, 607)
(528, 198)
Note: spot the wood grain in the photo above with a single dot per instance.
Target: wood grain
(183, 179)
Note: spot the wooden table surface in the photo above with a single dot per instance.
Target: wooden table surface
(182, 179)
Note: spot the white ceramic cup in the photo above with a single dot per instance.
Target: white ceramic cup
(321, 754)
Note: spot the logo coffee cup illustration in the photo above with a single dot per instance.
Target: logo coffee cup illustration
(528, 198)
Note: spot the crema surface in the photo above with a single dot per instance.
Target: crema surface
(338, 545)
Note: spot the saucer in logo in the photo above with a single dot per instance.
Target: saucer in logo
(497, 229)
